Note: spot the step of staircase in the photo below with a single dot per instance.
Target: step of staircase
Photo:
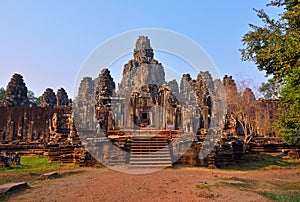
(150, 152)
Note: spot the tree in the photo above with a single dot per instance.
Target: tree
(289, 122)
(2, 93)
(32, 98)
(275, 49)
(241, 109)
(30, 95)
(270, 89)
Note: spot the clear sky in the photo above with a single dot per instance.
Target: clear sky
(48, 41)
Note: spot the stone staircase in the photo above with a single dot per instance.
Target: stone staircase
(117, 155)
(150, 152)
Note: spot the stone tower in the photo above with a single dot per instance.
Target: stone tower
(142, 70)
(48, 98)
(16, 92)
(104, 92)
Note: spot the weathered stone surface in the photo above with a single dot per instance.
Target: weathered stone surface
(208, 80)
(143, 52)
(248, 96)
(219, 89)
(201, 91)
(174, 87)
(185, 85)
(12, 186)
(16, 92)
(143, 69)
(48, 98)
(104, 92)
(62, 97)
(230, 86)
(106, 85)
(144, 104)
(232, 97)
(49, 175)
(85, 104)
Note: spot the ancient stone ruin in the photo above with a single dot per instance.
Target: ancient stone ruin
(143, 121)
(16, 92)
(146, 104)
(48, 98)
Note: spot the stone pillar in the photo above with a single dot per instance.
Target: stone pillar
(151, 119)
(20, 127)
(164, 112)
(11, 131)
(26, 125)
(205, 117)
(30, 131)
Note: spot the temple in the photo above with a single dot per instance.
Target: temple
(144, 99)
(143, 121)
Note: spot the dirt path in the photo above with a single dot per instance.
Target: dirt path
(187, 184)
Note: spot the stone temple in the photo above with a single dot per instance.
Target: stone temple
(145, 100)
(146, 108)
(142, 121)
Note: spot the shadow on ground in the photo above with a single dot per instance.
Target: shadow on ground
(264, 161)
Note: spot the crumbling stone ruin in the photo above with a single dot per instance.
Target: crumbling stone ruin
(48, 98)
(16, 92)
(62, 97)
(104, 92)
(84, 106)
(144, 117)
(145, 102)
(48, 129)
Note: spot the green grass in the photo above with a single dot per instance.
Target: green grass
(283, 197)
(264, 161)
(36, 164)
(30, 168)
(285, 185)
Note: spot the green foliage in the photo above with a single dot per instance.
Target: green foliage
(269, 89)
(35, 164)
(2, 93)
(283, 197)
(33, 99)
(38, 100)
(289, 121)
(275, 49)
(265, 162)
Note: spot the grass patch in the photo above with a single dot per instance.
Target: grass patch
(30, 168)
(36, 164)
(282, 197)
(285, 186)
(202, 186)
(284, 191)
(236, 182)
(265, 161)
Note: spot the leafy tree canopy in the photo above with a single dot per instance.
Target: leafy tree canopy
(275, 46)
(289, 122)
(32, 98)
(269, 89)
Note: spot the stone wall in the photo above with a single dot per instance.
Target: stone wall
(31, 123)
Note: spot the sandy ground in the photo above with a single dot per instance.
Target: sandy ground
(185, 184)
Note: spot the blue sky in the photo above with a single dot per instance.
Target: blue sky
(48, 41)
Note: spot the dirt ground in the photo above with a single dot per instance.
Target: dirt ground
(185, 184)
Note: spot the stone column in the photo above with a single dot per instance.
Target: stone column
(30, 131)
(11, 131)
(205, 117)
